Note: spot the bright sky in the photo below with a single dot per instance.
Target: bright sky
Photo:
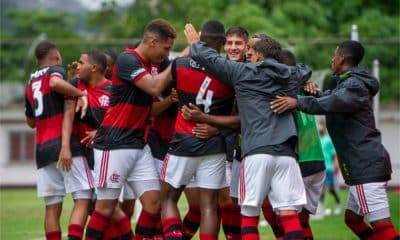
(96, 4)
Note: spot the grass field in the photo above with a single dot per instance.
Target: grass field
(21, 217)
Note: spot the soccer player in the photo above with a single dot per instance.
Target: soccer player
(111, 58)
(190, 156)
(363, 160)
(44, 103)
(121, 153)
(269, 167)
(76, 159)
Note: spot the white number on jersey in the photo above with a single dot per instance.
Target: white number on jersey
(207, 101)
(38, 96)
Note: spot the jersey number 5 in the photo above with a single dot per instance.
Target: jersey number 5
(203, 92)
(38, 96)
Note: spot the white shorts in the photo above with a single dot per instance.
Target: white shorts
(228, 174)
(277, 177)
(370, 200)
(127, 193)
(192, 183)
(314, 185)
(209, 171)
(158, 164)
(234, 189)
(113, 168)
(52, 181)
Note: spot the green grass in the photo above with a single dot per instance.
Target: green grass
(21, 217)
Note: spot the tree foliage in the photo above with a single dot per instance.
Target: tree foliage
(296, 24)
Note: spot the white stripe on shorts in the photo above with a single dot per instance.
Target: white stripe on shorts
(89, 174)
(164, 167)
(361, 197)
(103, 168)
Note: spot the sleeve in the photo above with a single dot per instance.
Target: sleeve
(74, 82)
(58, 71)
(223, 69)
(164, 64)
(173, 72)
(348, 99)
(130, 69)
(28, 106)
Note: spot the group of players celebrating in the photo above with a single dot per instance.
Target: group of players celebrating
(223, 130)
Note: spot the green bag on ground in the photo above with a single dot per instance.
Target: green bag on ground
(309, 144)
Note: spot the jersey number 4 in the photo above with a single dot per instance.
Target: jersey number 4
(38, 96)
(204, 96)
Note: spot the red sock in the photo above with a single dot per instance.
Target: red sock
(158, 234)
(75, 232)
(385, 230)
(96, 227)
(191, 222)
(291, 226)
(204, 236)
(111, 231)
(172, 228)
(124, 228)
(272, 219)
(305, 225)
(53, 235)
(230, 215)
(249, 228)
(146, 225)
(358, 226)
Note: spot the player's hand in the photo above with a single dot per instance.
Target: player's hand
(173, 97)
(283, 104)
(82, 104)
(65, 159)
(88, 140)
(205, 131)
(72, 70)
(311, 87)
(192, 36)
(185, 52)
(192, 113)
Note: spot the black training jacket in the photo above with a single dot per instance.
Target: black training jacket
(351, 125)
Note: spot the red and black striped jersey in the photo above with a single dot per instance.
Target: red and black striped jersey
(195, 85)
(162, 129)
(98, 99)
(46, 107)
(124, 123)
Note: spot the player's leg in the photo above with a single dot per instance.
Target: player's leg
(373, 202)
(288, 195)
(111, 169)
(272, 218)
(176, 172)
(234, 194)
(191, 221)
(144, 180)
(314, 185)
(210, 177)
(79, 181)
(230, 211)
(254, 184)
(50, 186)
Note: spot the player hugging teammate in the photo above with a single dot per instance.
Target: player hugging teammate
(159, 127)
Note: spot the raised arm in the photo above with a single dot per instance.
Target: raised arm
(225, 70)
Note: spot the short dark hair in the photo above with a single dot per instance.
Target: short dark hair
(268, 47)
(287, 57)
(353, 51)
(238, 30)
(213, 34)
(260, 36)
(111, 54)
(161, 28)
(97, 57)
(43, 49)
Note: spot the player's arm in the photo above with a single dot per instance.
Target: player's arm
(154, 85)
(217, 65)
(193, 113)
(65, 156)
(159, 107)
(30, 121)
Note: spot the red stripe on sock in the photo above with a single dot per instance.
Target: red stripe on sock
(75, 230)
(53, 235)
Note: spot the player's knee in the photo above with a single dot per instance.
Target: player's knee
(53, 200)
(351, 218)
(151, 201)
(82, 194)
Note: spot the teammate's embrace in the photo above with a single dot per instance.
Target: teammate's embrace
(44, 104)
